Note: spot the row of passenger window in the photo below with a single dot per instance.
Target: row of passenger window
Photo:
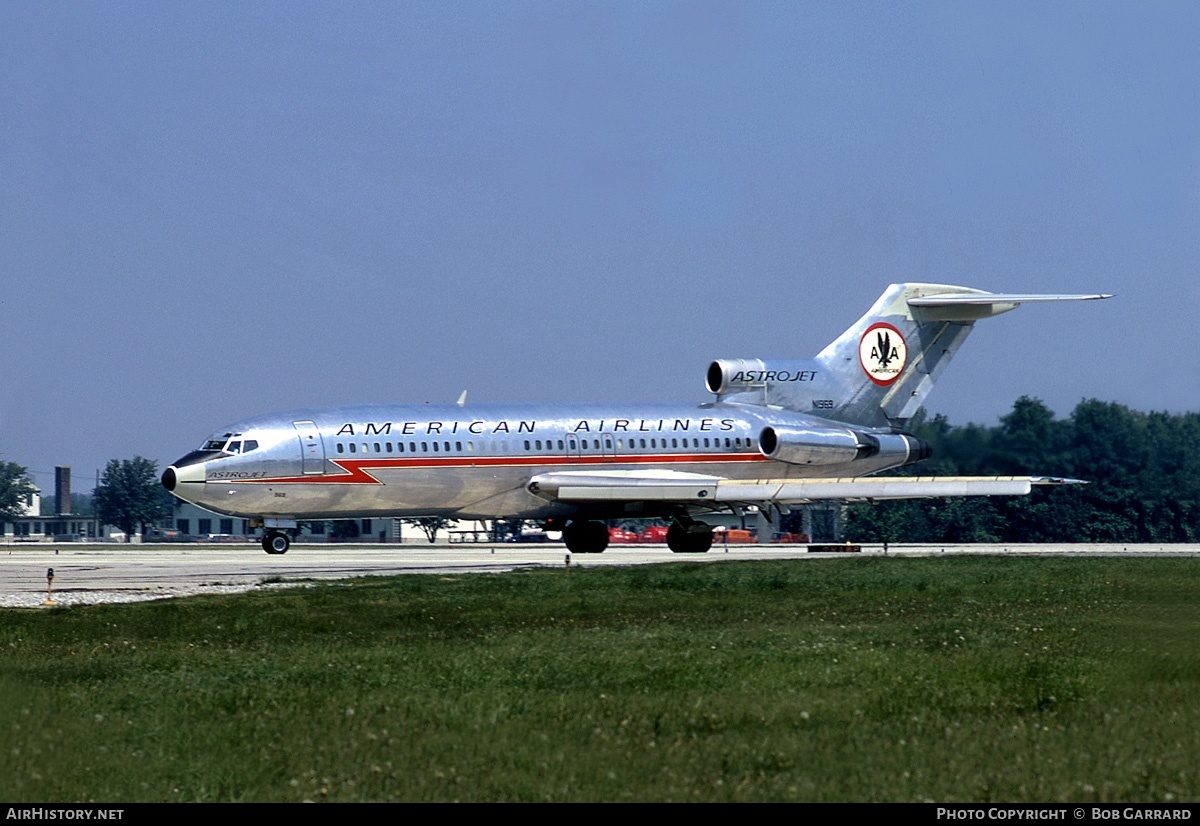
(548, 445)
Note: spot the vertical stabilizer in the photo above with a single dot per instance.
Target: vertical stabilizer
(879, 372)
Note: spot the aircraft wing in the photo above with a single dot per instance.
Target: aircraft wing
(699, 489)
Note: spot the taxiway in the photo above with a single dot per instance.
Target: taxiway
(90, 574)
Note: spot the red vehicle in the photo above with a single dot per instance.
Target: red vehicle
(655, 533)
(620, 536)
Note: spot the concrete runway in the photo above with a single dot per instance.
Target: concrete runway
(88, 574)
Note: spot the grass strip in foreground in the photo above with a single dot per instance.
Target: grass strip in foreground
(996, 678)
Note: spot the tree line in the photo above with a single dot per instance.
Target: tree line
(1142, 470)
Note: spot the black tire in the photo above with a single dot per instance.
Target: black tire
(689, 537)
(276, 543)
(586, 537)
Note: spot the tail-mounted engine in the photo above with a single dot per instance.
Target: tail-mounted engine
(836, 446)
(736, 375)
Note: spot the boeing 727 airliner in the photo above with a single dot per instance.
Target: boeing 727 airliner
(778, 433)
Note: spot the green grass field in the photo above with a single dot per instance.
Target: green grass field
(947, 679)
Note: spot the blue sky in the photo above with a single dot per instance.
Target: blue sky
(213, 210)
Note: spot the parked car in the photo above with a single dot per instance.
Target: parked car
(655, 533)
(620, 536)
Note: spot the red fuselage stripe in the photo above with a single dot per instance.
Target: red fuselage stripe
(358, 471)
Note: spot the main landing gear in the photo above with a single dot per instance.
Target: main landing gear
(276, 542)
(586, 537)
(689, 537)
(685, 536)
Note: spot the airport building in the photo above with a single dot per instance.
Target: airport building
(63, 526)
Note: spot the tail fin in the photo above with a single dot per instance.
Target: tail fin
(879, 372)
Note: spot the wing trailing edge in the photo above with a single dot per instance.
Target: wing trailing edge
(696, 488)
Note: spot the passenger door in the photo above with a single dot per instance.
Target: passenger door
(312, 448)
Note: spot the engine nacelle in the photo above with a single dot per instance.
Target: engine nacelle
(814, 446)
(735, 375)
(836, 446)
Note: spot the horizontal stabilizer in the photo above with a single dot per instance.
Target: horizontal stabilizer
(952, 299)
(974, 305)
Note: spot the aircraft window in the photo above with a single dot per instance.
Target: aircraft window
(341, 448)
(353, 449)
(234, 447)
(446, 445)
(389, 447)
(249, 445)
(366, 448)
(620, 444)
(377, 447)
(470, 447)
(674, 443)
(214, 444)
(726, 441)
(458, 446)
(560, 445)
(412, 447)
(435, 447)
(538, 444)
(608, 444)
(424, 447)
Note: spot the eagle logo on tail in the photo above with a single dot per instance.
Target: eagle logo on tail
(882, 352)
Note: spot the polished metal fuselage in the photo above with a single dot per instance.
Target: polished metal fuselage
(476, 462)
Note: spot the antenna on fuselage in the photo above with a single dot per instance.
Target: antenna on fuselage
(462, 399)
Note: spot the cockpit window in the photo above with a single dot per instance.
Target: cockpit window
(227, 446)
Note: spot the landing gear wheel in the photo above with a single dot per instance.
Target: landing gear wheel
(689, 537)
(276, 542)
(586, 537)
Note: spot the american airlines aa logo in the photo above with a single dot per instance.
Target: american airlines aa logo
(882, 353)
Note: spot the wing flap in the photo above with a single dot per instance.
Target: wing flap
(899, 487)
(625, 485)
(695, 488)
